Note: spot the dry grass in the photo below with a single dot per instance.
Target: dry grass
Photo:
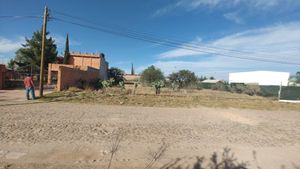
(145, 96)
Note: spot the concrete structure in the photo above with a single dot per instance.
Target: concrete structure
(81, 67)
(212, 81)
(263, 78)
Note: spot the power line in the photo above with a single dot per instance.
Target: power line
(169, 43)
(120, 31)
(114, 26)
(151, 35)
(19, 16)
(6, 19)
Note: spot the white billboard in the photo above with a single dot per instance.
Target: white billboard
(261, 78)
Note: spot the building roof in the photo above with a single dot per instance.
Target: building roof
(79, 54)
(211, 81)
(260, 77)
(129, 77)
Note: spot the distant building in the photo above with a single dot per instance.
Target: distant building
(6, 75)
(209, 84)
(131, 78)
(212, 81)
(81, 66)
(263, 78)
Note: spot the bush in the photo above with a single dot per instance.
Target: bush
(92, 85)
(204, 85)
(250, 89)
(220, 87)
(116, 74)
(80, 83)
(184, 79)
(151, 75)
(157, 86)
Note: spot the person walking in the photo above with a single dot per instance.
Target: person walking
(29, 86)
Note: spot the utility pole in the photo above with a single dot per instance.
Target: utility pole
(43, 51)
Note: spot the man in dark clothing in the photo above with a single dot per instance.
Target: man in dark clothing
(29, 87)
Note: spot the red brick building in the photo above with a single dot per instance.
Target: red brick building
(6, 75)
(82, 66)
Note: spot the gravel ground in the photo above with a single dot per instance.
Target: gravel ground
(70, 135)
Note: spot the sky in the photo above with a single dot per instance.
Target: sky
(208, 37)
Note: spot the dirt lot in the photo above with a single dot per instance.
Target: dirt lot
(73, 135)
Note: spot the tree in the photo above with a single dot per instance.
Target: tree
(116, 74)
(184, 78)
(132, 69)
(298, 77)
(202, 78)
(30, 54)
(67, 52)
(11, 64)
(211, 78)
(151, 74)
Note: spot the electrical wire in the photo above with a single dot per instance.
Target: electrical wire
(125, 32)
(19, 16)
(151, 35)
(168, 43)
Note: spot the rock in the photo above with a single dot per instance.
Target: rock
(14, 155)
(105, 152)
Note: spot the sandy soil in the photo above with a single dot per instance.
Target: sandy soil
(70, 135)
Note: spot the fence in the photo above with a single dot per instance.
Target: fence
(16, 80)
(287, 92)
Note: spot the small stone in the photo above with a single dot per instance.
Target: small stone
(2, 153)
(14, 155)
(105, 152)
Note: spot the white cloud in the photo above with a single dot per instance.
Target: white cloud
(274, 42)
(259, 4)
(248, 6)
(60, 41)
(277, 43)
(7, 45)
(234, 16)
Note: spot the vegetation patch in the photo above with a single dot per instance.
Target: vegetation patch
(145, 96)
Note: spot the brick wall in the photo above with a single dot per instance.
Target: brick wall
(2, 74)
(81, 66)
(85, 60)
(69, 76)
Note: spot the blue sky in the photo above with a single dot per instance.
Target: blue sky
(259, 29)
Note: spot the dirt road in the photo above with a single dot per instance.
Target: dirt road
(70, 135)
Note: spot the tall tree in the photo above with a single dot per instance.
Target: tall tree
(67, 52)
(151, 74)
(29, 56)
(184, 78)
(132, 69)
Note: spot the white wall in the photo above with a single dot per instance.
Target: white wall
(260, 77)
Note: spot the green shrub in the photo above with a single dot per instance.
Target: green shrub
(250, 89)
(220, 87)
(157, 86)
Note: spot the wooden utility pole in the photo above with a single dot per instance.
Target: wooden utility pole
(43, 51)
